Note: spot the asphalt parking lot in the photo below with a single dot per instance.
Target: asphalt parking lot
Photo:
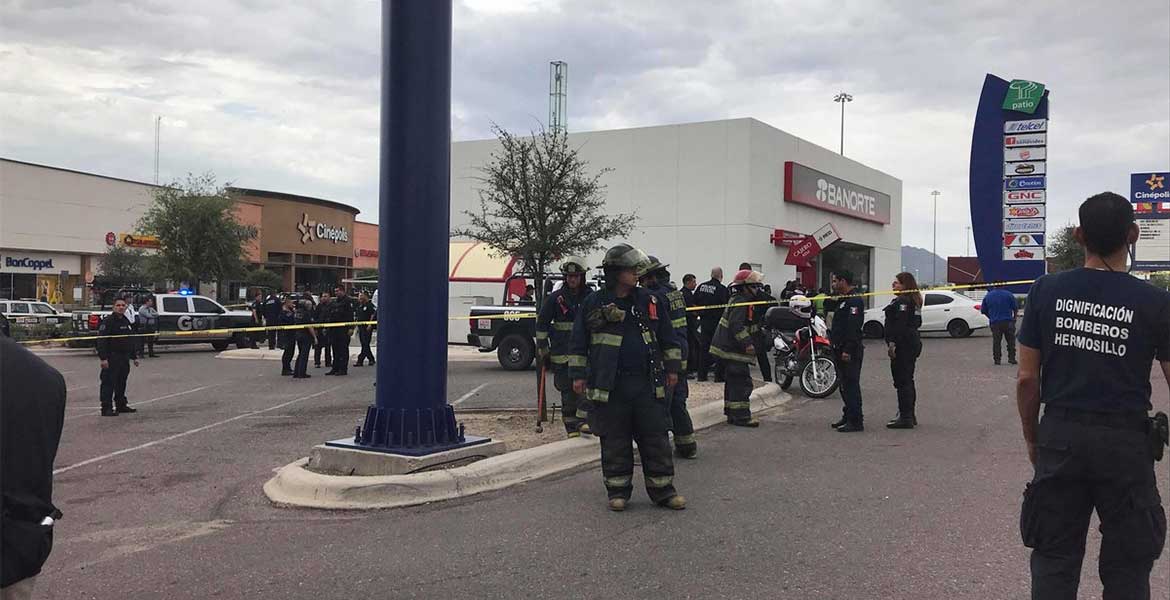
(168, 501)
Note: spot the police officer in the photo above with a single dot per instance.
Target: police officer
(760, 339)
(690, 282)
(116, 353)
(733, 345)
(710, 293)
(845, 336)
(304, 336)
(657, 279)
(287, 337)
(5, 328)
(554, 327)
(322, 342)
(1087, 344)
(903, 345)
(365, 311)
(271, 308)
(623, 357)
(341, 311)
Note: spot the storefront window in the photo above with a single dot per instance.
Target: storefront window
(851, 257)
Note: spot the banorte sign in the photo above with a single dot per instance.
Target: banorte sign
(312, 230)
(810, 187)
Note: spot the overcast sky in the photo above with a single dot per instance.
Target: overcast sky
(283, 95)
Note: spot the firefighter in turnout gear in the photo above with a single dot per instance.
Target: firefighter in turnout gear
(657, 279)
(732, 343)
(624, 356)
(554, 327)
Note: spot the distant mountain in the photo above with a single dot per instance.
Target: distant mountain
(924, 261)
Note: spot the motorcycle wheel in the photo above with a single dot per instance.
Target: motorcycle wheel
(821, 383)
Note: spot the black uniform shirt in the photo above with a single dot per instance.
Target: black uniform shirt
(32, 405)
(847, 321)
(365, 312)
(903, 318)
(1098, 333)
(115, 325)
(708, 294)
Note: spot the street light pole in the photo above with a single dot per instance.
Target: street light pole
(968, 240)
(842, 98)
(934, 248)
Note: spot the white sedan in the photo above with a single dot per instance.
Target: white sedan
(946, 311)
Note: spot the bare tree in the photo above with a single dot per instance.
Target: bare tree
(539, 202)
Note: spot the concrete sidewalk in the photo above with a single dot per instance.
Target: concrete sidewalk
(294, 485)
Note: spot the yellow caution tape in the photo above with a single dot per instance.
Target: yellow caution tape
(507, 316)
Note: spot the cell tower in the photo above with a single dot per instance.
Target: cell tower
(558, 96)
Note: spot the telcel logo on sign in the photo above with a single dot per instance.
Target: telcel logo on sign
(1034, 139)
(1029, 126)
(1024, 197)
(28, 263)
(1024, 183)
(1023, 226)
(1023, 211)
(1017, 169)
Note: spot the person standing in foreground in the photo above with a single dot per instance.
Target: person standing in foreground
(304, 336)
(554, 327)
(690, 282)
(32, 413)
(904, 345)
(845, 336)
(710, 293)
(341, 311)
(624, 357)
(656, 278)
(286, 338)
(1001, 309)
(733, 344)
(760, 339)
(1087, 343)
(365, 311)
(271, 309)
(116, 353)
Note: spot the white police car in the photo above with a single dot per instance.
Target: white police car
(32, 312)
(182, 319)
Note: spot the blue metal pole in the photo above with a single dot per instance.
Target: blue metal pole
(410, 414)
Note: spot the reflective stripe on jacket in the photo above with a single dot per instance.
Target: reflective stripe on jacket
(554, 323)
(735, 331)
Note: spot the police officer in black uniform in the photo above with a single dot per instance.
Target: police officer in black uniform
(710, 293)
(322, 343)
(1087, 343)
(365, 311)
(304, 336)
(287, 337)
(271, 308)
(845, 337)
(657, 279)
(690, 282)
(624, 356)
(903, 345)
(341, 310)
(116, 354)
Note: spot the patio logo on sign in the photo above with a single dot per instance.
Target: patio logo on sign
(1023, 96)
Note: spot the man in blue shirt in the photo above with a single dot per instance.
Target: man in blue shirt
(1087, 344)
(1001, 309)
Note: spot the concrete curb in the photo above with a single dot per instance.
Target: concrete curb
(294, 485)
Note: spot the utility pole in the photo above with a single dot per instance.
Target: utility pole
(157, 127)
(934, 246)
(558, 96)
(842, 98)
(968, 241)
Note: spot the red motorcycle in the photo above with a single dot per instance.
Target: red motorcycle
(801, 348)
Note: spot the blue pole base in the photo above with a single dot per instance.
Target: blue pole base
(409, 431)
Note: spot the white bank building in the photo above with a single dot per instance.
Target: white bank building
(721, 193)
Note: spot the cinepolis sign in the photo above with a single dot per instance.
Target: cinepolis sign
(810, 187)
(312, 230)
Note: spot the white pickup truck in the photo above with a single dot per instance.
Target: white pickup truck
(177, 315)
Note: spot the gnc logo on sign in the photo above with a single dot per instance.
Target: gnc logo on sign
(1024, 197)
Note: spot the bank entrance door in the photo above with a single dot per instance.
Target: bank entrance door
(850, 257)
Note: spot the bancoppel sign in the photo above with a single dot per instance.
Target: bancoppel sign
(1024, 253)
(1013, 240)
(1023, 226)
(810, 187)
(1028, 126)
(38, 263)
(1030, 139)
(1023, 211)
(1017, 154)
(1024, 197)
(1024, 183)
(1023, 169)
(312, 230)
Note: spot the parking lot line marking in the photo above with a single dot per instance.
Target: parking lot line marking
(188, 432)
(78, 389)
(471, 393)
(174, 395)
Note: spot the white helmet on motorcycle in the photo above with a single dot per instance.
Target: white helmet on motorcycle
(801, 306)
